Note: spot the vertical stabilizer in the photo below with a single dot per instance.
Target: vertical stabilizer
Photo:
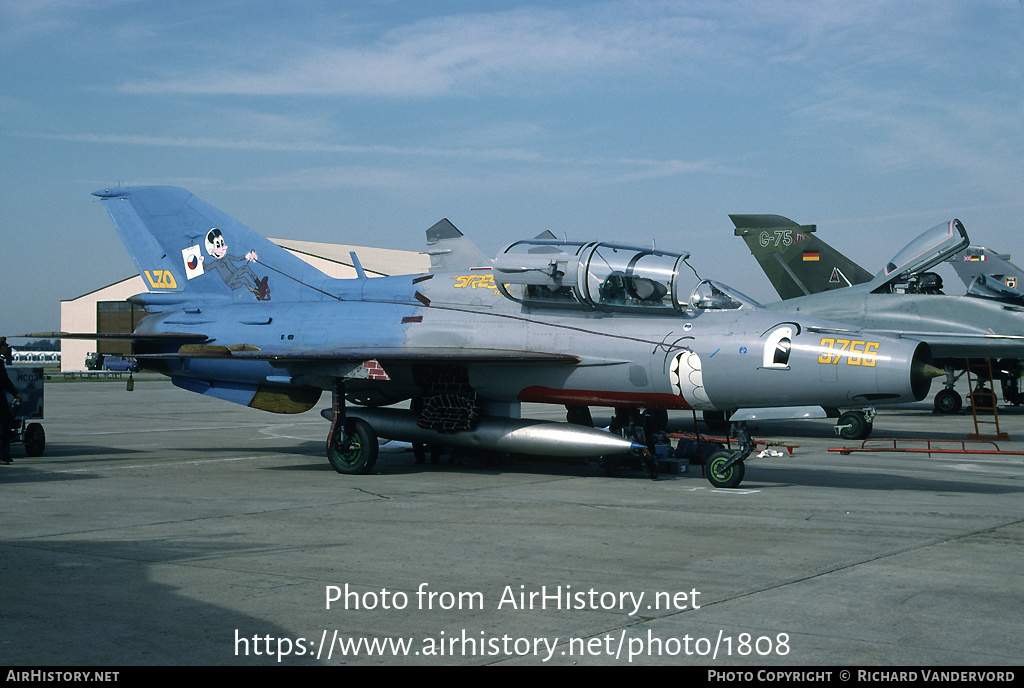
(451, 251)
(978, 260)
(795, 261)
(182, 245)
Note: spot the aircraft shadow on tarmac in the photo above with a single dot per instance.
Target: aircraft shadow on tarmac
(69, 452)
(112, 612)
(60, 462)
(311, 448)
(403, 463)
(768, 476)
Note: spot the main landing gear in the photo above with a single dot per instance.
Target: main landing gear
(1007, 371)
(948, 401)
(352, 446)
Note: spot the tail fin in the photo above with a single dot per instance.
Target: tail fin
(796, 262)
(451, 251)
(188, 251)
(975, 260)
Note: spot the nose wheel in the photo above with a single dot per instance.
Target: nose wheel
(722, 471)
(855, 425)
(725, 468)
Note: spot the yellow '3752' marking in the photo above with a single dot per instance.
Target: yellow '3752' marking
(474, 281)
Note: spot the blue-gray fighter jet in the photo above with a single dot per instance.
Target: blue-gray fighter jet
(579, 324)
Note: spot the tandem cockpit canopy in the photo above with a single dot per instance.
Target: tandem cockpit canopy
(602, 276)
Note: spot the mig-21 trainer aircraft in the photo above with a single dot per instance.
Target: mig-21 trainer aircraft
(579, 324)
(904, 298)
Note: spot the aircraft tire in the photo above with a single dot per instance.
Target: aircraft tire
(729, 478)
(35, 439)
(361, 453)
(948, 401)
(857, 426)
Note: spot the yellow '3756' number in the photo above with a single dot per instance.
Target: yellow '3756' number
(857, 352)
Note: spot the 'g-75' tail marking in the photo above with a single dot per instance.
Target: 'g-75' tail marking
(795, 261)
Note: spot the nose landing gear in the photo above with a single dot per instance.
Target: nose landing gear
(856, 425)
(725, 468)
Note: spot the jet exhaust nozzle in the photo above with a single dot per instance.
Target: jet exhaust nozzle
(922, 372)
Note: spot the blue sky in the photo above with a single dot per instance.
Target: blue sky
(641, 120)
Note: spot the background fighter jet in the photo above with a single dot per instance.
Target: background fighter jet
(986, 272)
(796, 262)
(904, 298)
(568, 323)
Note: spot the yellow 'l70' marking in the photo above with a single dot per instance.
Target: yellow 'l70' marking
(161, 279)
(857, 352)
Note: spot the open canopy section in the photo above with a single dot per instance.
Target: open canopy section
(927, 250)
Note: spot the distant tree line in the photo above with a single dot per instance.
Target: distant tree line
(39, 345)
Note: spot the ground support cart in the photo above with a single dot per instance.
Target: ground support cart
(29, 383)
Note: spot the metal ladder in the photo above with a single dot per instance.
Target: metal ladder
(984, 402)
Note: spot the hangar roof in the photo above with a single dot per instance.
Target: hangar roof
(334, 260)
